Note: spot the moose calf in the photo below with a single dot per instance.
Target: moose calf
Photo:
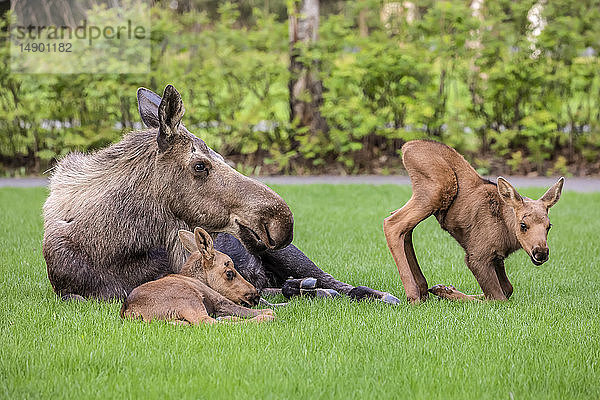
(207, 284)
(489, 220)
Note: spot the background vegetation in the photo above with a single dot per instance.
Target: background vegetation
(513, 97)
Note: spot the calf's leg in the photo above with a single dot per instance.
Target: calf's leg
(507, 287)
(484, 270)
(398, 229)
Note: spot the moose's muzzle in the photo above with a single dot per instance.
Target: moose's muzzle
(539, 255)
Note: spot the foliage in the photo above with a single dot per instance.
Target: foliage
(510, 101)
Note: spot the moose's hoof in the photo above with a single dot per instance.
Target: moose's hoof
(308, 283)
(363, 292)
(390, 299)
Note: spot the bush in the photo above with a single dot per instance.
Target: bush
(510, 102)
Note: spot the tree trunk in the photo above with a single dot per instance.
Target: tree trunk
(306, 90)
(362, 23)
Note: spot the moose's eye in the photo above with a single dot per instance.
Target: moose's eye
(523, 227)
(230, 274)
(199, 167)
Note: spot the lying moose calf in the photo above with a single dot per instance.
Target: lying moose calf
(207, 284)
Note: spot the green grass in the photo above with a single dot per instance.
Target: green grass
(543, 343)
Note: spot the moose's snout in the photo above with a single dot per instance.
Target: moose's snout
(539, 255)
(280, 230)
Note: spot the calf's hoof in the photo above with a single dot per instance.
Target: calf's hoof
(442, 290)
(266, 311)
(264, 318)
(449, 292)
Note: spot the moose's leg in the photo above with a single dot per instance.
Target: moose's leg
(237, 320)
(485, 271)
(271, 291)
(507, 287)
(290, 261)
(273, 268)
(73, 276)
(398, 233)
(194, 311)
(486, 275)
(223, 307)
(196, 317)
(414, 264)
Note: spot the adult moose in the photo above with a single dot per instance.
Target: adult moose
(112, 217)
(490, 221)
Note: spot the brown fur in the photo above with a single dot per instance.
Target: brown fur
(483, 217)
(112, 217)
(207, 284)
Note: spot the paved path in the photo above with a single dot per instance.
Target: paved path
(574, 184)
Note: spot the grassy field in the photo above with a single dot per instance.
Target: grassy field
(543, 343)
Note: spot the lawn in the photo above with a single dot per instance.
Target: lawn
(543, 343)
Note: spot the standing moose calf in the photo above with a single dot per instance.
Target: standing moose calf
(490, 221)
(207, 284)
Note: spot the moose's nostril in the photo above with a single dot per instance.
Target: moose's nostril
(541, 254)
(272, 243)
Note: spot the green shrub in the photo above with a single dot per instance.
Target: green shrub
(498, 103)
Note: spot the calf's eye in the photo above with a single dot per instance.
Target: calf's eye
(523, 227)
(230, 274)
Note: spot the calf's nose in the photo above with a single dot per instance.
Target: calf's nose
(540, 253)
(252, 298)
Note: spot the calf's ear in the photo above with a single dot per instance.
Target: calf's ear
(508, 193)
(553, 194)
(148, 103)
(170, 112)
(188, 240)
(204, 243)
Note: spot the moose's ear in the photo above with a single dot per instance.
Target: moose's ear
(204, 243)
(148, 103)
(188, 240)
(508, 193)
(170, 112)
(553, 194)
